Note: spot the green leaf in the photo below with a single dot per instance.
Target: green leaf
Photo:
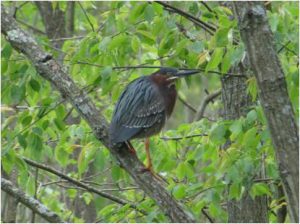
(215, 59)
(72, 193)
(259, 189)
(149, 13)
(146, 34)
(30, 186)
(116, 173)
(196, 47)
(252, 116)
(104, 43)
(184, 170)
(106, 72)
(22, 166)
(61, 155)
(135, 43)
(35, 145)
(137, 12)
(227, 61)
(26, 120)
(6, 51)
(35, 85)
(17, 93)
(8, 161)
(236, 128)
(88, 197)
(59, 123)
(118, 42)
(179, 191)
(22, 141)
(86, 155)
(221, 37)
(235, 191)
(217, 134)
(250, 139)
(252, 88)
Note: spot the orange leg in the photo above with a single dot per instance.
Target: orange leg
(149, 162)
(130, 147)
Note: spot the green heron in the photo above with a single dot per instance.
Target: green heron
(144, 106)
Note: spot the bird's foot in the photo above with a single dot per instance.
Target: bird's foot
(130, 148)
(155, 175)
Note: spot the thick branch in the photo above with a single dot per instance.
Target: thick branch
(202, 107)
(48, 68)
(258, 39)
(29, 202)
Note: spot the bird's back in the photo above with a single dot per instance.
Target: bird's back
(139, 112)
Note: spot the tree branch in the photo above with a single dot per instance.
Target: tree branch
(86, 16)
(80, 184)
(188, 105)
(183, 137)
(29, 202)
(52, 71)
(202, 107)
(205, 26)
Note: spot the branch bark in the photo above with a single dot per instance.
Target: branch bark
(30, 202)
(258, 39)
(51, 70)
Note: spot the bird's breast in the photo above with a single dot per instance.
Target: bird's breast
(169, 94)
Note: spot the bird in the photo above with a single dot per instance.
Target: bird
(144, 106)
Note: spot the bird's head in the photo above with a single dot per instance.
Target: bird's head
(168, 74)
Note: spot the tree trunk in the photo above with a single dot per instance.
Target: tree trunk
(236, 104)
(258, 39)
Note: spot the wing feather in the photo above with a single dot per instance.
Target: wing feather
(139, 107)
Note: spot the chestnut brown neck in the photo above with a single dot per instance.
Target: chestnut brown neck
(167, 90)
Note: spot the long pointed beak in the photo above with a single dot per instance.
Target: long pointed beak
(182, 73)
(186, 73)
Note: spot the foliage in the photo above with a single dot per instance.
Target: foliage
(39, 124)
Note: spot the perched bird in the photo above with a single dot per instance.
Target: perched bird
(144, 106)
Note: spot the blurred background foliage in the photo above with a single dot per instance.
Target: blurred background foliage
(37, 123)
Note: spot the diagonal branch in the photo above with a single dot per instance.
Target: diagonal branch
(80, 184)
(52, 71)
(202, 107)
(29, 202)
(205, 26)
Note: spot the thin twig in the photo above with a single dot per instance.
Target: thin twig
(202, 107)
(283, 46)
(86, 15)
(206, 6)
(150, 66)
(67, 38)
(182, 137)
(207, 216)
(207, 27)
(188, 105)
(81, 184)
(36, 30)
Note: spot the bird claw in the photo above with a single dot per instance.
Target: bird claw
(155, 175)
